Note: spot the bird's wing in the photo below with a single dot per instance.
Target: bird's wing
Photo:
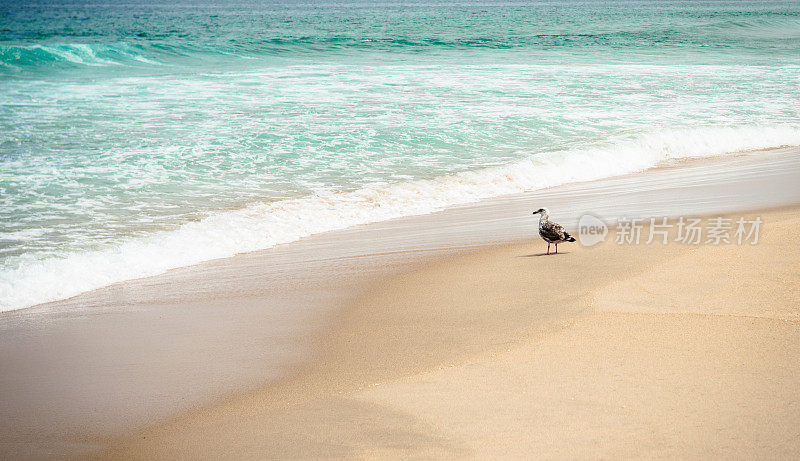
(552, 231)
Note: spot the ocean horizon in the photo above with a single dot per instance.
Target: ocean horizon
(140, 137)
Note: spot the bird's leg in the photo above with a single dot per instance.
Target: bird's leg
(548, 247)
(556, 248)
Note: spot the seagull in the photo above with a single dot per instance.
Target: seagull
(550, 231)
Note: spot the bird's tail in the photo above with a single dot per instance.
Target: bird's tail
(568, 237)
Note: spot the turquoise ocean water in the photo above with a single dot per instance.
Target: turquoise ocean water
(141, 136)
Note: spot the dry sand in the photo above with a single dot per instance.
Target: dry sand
(612, 351)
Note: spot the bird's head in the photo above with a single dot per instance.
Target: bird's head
(542, 211)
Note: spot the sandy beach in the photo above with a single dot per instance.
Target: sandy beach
(613, 351)
(449, 335)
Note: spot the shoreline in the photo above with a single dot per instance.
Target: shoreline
(223, 328)
(363, 207)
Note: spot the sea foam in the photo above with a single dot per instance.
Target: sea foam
(263, 225)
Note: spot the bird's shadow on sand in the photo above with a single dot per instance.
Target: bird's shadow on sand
(536, 255)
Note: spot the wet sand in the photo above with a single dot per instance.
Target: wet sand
(276, 353)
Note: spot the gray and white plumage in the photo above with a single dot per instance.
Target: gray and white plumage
(551, 232)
